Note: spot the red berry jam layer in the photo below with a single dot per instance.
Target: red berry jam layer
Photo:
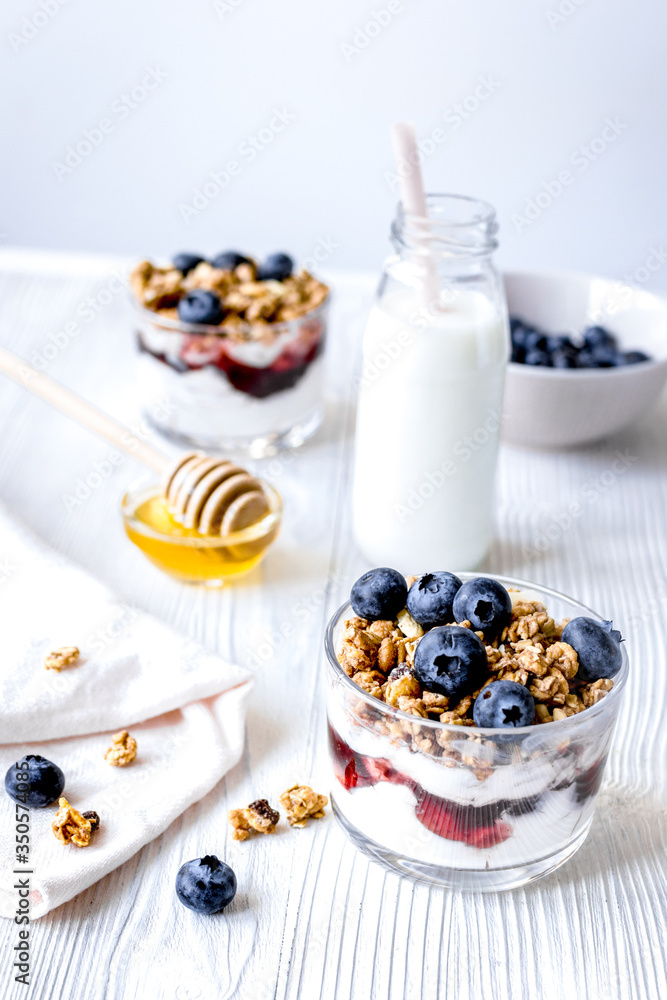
(477, 826)
(199, 351)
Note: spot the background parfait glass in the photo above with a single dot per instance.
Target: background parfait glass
(248, 392)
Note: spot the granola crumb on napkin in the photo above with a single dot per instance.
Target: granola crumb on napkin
(93, 819)
(123, 749)
(70, 827)
(63, 657)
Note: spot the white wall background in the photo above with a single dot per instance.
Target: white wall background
(227, 64)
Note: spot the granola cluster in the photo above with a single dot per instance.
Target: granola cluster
(379, 657)
(250, 306)
(123, 749)
(258, 817)
(300, 803)
(63, 657)
(72, 827)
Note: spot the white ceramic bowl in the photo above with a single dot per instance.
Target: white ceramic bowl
(559, 408)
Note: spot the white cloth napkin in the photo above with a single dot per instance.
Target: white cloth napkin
(184, 706)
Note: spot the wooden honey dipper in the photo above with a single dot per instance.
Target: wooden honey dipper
(209, 495)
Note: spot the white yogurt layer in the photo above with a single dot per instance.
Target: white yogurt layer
(204, 405)
(386, 814)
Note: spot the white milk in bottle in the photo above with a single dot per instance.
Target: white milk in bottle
(430, 396)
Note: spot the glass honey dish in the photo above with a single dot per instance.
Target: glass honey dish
(188, 555)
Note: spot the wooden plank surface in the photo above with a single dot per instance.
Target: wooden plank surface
(313, 918)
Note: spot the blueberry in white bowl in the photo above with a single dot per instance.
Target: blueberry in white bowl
(634, 357)
(559, 342)
(597, 347)
(537, 356)
(602, 363)
(206, 885)
(563, 359)
(34, 781)
(599, 336)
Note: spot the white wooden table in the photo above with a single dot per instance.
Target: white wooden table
(313, 918)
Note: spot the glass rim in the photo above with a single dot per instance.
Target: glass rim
(132, 498)
(447, 236)
(167, 325)
(565, 725)
(486, 214)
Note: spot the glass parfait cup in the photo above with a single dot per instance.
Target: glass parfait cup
(247, 389)
(465, 807)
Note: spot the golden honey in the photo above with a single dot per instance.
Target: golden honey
(189, 556)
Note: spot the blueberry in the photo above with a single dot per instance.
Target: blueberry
(535, 341)
(605, 356)
(597, 336)
(199, 306)
(186, 262)
(587, 359)
(430, 598)
(519, 331)
(537, 357)
(379, 594)
(206, 884)
(597, 645)
(632, 357)
(559, 342)
(613, 632)
(504, 704)
(276, 267)
(229, 259)
(450, 660)
(34, 781)
(518, 354)
(563, 359)
(485, 604)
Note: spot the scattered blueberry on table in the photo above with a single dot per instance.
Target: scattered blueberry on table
(596, 348)
(379, 594)
(504, 704)
(34, 781)
(206, 884)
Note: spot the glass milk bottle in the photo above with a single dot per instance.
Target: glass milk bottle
(430, 396)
